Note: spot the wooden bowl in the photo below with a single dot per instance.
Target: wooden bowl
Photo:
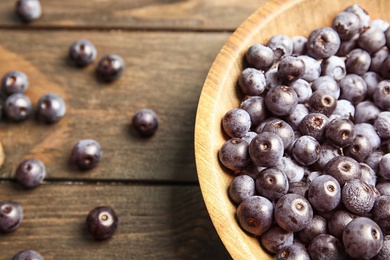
(219, 94)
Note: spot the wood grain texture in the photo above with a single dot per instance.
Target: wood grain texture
(147, 14)
(294, 17)
(155, 222)
(164, 71)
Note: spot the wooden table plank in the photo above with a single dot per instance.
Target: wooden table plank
(156, 222)
(152, 14)
(164, 71)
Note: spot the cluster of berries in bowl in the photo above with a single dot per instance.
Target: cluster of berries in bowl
(309, 143)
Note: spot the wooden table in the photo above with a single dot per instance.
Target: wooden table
(168, 48)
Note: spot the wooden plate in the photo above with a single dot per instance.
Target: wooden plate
(219, 94)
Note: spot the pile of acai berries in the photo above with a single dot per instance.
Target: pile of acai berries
(310, 143)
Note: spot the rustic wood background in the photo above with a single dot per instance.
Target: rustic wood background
(168, 47)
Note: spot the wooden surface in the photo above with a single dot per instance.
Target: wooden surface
(292, 17)
(168, 48)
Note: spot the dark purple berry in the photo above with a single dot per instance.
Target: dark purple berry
(324, 193)
(252, 82)
(340, 132)
(384, 166)
(312, 68)
(282, 129)
(266, 149)
(276, 239)
(110, 67)
(86, 154)
(327, 83)
(358, 62)
(323, 43)
(290, 69)
(14, 82)
(364, 17)
(51, 108)
(272, 183)
(316, 227)
(314, 124)
(102, 222)
(299, 45)
(381, 95)
(281, 100)
(82, 52)
(293, 212)
(281, 45)
(303, 90)
(334, 66)
(359, 149)
(30, 173)
(18, 107)
(28, 255)
(366, 112)
(372, 39)
(11, 215)
(241, 187)
(255, 215)
(145, 121)
(362, 238)
(382, 125)
(255, 106)
(322, 101)
(28, 10)
(325, 246)
(260, 57)
(353, 88)
(358, 197)
(234, 154)
(346, 24)
(293, 252)
(343, 169)
(306, 150)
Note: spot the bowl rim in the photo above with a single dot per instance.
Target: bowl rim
(213, 86)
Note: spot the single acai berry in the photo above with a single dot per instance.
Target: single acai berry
(234, 154)
(18, 107)
(28, 10)
(276, 239)
(362, 238)
(255, 215)
(358, 197)
(252, 82)
(381, 95)
(306, 150)
(382, 125)
(327, 83)
(86, 154)
(255, 106)
(340, 132)
(50, 108)
(384, 166)
(359, 149)
(324, 193)
(323, 43)
(353, 88)
(334, 66)
(293, 212)
(145, 121)
(236, 122)
(281, 45)
(241, 188)
(30, 173)
(343, 169)
(314, 124)
(312, 68)
(281, 100)
(110, 67)
(260, 57)
(82, 52)
(372, 39)
(322, 101)
(299, 45)
(366, 112)
(293, 252)
(266, 149)
(303, 90)
(290, 69)
(102, 222)
(358, 62)
(272, 183)
(325, 246)
(369, 176)
(346, 24)
(377, 59)
(316, 227)
(28, 255)
(14, 81)
(364, 17)
(11, 215)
